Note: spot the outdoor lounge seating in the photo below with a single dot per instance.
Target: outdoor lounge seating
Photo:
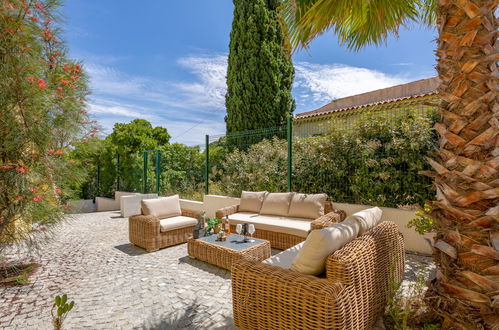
(284, 219)
(350, 294)
(162, 223)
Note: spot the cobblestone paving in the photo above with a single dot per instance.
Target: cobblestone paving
(118, 286)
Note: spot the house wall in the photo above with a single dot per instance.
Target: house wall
(350, 119)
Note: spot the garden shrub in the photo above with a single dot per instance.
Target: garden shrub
(42, 99)
(377, 164)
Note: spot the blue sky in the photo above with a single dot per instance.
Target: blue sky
(165, 61)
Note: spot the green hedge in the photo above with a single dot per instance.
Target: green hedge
(376, 164)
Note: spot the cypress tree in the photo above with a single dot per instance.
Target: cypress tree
(260, 71)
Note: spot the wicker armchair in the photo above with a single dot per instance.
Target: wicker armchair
(144, 231)
(358, 281)
(283, 241)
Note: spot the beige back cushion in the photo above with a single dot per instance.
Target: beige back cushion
(368, 218)
(276, 204)
(307, 206)
(322, 243)
(163, 207)
(251, 201)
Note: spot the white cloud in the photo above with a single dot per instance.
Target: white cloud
(325, 82)
(193, 107)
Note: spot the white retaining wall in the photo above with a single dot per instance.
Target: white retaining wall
(413, 241)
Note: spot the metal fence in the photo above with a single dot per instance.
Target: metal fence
(367, 156)
(376, 161)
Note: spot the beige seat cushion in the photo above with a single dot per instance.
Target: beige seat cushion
(321, 243)
(285, 258)
(176, 223)
(276, 204)
(368, 218)
(292, 226)
(251, 201)
(163, 207)
(309, 206)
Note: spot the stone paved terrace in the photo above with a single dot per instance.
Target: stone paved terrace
(118, 286)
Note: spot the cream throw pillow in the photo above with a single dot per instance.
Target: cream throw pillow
(307, 206)
(163, 207)
(276, 204)
(368, 218)
(322, 243)
(251, 201)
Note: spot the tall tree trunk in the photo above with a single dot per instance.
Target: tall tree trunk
(466, 290)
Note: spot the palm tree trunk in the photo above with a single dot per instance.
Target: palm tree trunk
(466, 290)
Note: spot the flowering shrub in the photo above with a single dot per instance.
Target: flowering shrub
(42, 94)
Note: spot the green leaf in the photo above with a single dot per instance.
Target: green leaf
(57, 300)
(71, 304)
(60, 311)
(64, 299)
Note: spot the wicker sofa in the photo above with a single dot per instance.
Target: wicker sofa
(350, 295)
(156, 229)
(282, 231)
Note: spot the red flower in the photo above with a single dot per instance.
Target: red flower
(59, 89)
(33, 190)
(65, 82)
(9, 6)
(72, 162)
(48, 34)
(74, 77)
(22, 169)
(59, 152)
(6, 167)
(31, 79)
(19, 198)
(58, 191)
(51, 151)
(37, 198)
(92, 134)
(34, 19)
(41, 84)
(39, 6)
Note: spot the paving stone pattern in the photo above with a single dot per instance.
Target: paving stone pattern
(119, 286)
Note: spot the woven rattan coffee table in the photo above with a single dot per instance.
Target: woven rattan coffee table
(223, 254)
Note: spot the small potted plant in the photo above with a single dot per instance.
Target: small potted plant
(213, 226)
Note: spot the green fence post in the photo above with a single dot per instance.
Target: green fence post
(290, 151)
(98, 181)
(144, 190)
(118, 172)
(158, 170)
(207, 165)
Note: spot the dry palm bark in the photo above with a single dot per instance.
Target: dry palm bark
(466, 291)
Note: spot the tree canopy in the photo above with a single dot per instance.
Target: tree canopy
(260, 71)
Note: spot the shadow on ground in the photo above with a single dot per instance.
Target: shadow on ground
(206, 267)
(190, 318)
(131, 249)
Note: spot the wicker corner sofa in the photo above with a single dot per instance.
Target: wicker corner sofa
(145, 230)
(282, 240)
(353, 293)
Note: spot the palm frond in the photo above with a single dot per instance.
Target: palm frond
(356, 22)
